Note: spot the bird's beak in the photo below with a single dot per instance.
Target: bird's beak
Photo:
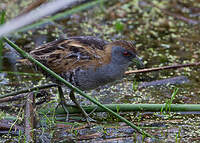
(138, 61)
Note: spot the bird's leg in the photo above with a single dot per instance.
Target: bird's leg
(62, 101)
(73, 98)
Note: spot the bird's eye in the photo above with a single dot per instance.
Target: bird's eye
(126, 53)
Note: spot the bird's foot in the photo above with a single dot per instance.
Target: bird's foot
(64, 106)
(87, 117)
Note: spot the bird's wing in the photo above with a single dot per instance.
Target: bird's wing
(68, 54)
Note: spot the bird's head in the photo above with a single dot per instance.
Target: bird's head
(124, 52)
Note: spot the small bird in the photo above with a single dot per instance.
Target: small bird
(87, 62)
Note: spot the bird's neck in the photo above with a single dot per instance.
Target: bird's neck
(114, 71)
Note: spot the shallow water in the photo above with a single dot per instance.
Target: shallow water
(164, 37)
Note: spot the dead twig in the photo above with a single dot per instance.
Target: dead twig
(32, 6)
(27, 90)
(183, 18)
(162, 68)
(12, 98)
(30, 118)
(5, 128)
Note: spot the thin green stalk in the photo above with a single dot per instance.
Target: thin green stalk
(11, 127)
(173, 97)
(26, 55)
(63, 14)
(3, 13)
(2, 20)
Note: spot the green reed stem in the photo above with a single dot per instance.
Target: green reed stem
(26, 55)
(131, 108)
(2, 20)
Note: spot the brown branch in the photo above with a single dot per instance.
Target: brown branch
(5, 126)
(33, 5)
(186, 19)
(27, 90)
(162, 68)
(12, 98)
(29, 118)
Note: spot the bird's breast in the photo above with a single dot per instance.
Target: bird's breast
(92, 78)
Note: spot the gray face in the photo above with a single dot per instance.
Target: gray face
(95, 77)
(122, 56)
